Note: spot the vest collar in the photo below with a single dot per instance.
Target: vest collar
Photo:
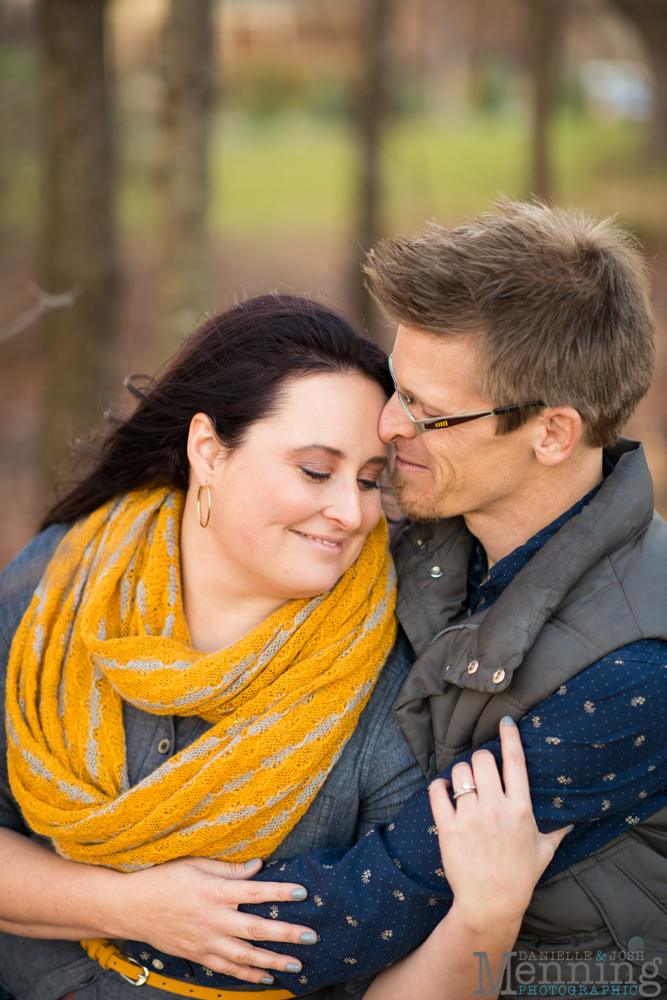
(498, 639)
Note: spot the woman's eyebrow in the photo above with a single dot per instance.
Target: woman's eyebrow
(337, 453)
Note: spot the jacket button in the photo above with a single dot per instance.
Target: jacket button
(498, 677)
(157, 964)
(435, 572)
(419, 544)
(432, 762)
(163, 746)
(472, 666)
(636, 943)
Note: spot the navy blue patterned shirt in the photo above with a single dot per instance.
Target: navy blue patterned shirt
(596, 753)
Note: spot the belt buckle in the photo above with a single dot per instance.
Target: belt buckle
(143, 978)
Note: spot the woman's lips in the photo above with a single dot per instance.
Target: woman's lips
(321, 543)
(403, 466)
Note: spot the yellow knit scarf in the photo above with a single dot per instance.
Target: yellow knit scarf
(106, 626)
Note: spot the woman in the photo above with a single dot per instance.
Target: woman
(196, 661)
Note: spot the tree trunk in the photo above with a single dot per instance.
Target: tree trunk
(187, 72)
(371, 108)
(650, 17)
(545, 24)
(77, 243)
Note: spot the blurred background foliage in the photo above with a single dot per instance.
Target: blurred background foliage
(321, 126)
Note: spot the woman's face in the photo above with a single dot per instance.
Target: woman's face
(292, 505)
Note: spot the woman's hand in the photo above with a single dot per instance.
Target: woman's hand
(493, 855)
(492, 852)
(188, 908)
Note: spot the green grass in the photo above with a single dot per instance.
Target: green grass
(292, 175)
(298, 176)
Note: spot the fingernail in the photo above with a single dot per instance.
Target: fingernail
(508, 720)
(293, 967)
(249, 864)
(266, 980)
(570, 828)
(298, 893)
(308, 938)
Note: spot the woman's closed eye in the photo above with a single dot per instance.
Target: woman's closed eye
(317, 477)
(322, 477)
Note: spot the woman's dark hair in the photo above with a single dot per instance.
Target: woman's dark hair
(232, 369)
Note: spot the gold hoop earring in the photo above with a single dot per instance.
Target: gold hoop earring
(208, 513)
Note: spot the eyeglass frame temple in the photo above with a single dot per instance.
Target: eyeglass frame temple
(435, 423)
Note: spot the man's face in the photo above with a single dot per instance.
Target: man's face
(465, 469)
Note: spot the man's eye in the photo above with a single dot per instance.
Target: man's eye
(368, 484)
(318, 477)
(408, 399)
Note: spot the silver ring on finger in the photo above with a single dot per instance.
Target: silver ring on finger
(468, 786)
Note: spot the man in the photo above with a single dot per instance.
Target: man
(533, 583)
(548, 593)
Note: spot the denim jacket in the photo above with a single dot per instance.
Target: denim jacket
(375, 775)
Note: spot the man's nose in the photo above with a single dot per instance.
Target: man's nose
(394, 422)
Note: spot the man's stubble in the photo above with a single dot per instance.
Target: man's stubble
(423, 511)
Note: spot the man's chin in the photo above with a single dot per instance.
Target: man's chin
(422, 508)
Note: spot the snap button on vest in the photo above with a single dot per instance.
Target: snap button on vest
(163, 746)
(432, 762)
(636, 943)
(435, 572)
(419, 544)
(472, 666)
(498, 677)
(157, 964)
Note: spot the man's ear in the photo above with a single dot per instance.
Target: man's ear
(204, 448)
(557, 433)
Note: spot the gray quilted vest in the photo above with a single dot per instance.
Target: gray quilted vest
(598, 584)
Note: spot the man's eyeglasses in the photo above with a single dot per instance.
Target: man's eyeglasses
(424, 424)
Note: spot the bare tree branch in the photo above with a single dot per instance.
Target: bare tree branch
(44, 303)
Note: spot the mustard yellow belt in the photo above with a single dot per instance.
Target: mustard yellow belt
(110, 957)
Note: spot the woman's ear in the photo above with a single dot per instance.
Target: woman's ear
(204, 448)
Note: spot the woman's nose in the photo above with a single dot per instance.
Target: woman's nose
(394, 422)
(345, 506)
